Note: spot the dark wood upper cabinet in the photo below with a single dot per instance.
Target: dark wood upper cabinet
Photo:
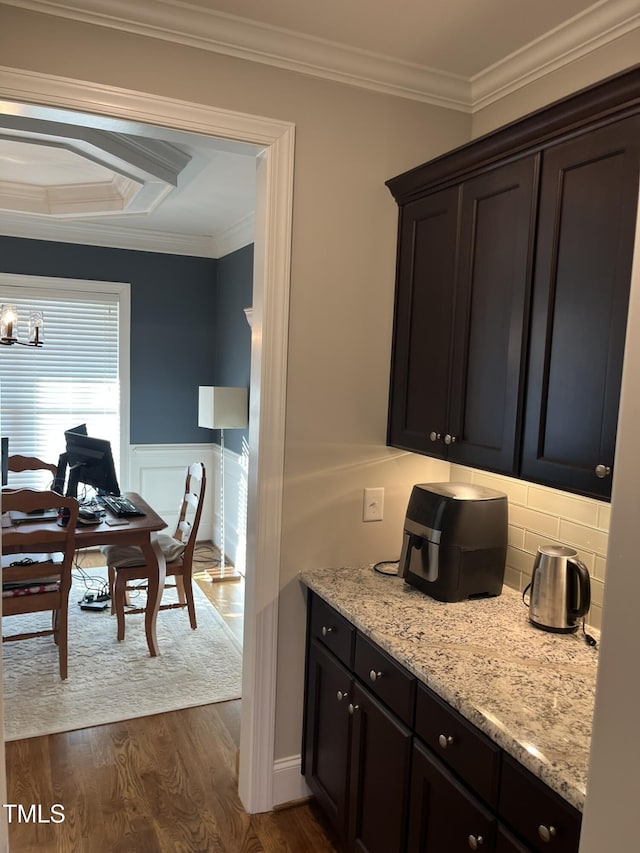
(463, 281)
(490, 328)
(588, 202)
(512, 287)
(425, 305)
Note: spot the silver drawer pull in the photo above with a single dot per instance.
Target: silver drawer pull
(353, 708)
(602, 471)
(475, 841)
(326, 630)
(450, 439)
(445, 740)
(546, 833)
(374, 676)
(434, 436)
(340, 695)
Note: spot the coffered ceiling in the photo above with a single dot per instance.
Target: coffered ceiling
(192, 195)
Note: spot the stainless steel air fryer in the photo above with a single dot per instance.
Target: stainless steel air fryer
(455, 541)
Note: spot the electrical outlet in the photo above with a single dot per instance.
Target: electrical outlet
(373, 504)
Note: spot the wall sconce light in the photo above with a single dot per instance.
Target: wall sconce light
(9, 327)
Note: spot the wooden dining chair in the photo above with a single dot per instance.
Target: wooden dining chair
(36, 564)
(126, 564)
(18, 463)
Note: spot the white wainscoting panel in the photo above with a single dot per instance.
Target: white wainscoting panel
(157, 472)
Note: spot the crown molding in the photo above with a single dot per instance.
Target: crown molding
(235, 237)
(207, 29)
(576, 38)
(127, 237)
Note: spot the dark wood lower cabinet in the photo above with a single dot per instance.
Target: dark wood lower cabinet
(508, 843)
(329, 686)
(419, 777)
(444, 816)
(379, 781)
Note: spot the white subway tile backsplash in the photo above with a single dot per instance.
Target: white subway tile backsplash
(515, 490)
(515, 537)
(600, 568)
(594, 617)
(565, 506)
(532, 519)
(597, 592)
(520, 561)
(513, 579)
(533, 540)
(604, 516)
(584, 537)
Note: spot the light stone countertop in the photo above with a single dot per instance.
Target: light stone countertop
(530, 691)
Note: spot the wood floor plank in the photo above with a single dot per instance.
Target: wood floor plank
(160, 784)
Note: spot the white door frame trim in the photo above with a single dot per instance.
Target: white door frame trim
(47, 96)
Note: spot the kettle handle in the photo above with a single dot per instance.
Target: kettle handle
(584, 587)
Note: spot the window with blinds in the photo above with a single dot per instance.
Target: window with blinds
(75, 378)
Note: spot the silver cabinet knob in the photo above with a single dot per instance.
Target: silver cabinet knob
(434, 436)
(602, 471)
(353, 708)
(445, 740)
(475, 841)
(449, 439)
(340, 695)
(374, 676)
(326, 630)
(546, 833)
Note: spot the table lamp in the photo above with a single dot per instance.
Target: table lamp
(223, 408)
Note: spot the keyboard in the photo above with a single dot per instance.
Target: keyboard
(120, 506)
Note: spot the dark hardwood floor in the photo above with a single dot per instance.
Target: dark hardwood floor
(163, 783)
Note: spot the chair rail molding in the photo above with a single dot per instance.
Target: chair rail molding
(47, 96)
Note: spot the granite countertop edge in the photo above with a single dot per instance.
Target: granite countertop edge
(568, 781)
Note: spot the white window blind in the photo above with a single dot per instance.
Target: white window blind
(73, 379)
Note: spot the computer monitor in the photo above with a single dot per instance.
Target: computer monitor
(90, 462)
(61, 473)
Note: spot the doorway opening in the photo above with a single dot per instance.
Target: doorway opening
(45, 97)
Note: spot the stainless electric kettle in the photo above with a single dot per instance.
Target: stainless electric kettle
(560, 589)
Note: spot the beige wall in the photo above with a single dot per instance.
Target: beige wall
(348, 142)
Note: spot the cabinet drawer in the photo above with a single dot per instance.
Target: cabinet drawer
(385, 678)
(459, 744)
(332, 630)
(543, 819)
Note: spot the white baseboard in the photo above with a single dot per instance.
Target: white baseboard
(288, 782)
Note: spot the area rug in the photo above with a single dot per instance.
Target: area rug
(109, 680)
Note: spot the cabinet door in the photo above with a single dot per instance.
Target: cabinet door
(425, 304)
(491, 319)
(379, 782)
(444, 816)
(588, 203)
(508, 843)
(329, 687)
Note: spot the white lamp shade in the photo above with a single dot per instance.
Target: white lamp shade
(223, 408)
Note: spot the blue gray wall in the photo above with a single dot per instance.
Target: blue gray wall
(182, 319)
(234, 293)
